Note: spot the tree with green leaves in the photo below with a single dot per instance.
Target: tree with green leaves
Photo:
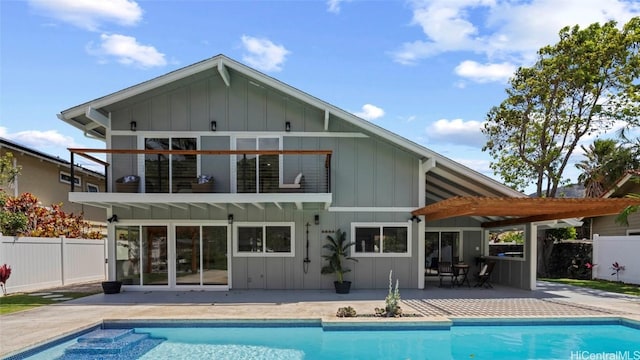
(605, 162)
(8, 170)
(580, 86)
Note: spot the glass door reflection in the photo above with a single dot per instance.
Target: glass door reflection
(201, 255)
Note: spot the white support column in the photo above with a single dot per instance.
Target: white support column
(422, 193)
(531, 255)
(110, 251)
(595, 254)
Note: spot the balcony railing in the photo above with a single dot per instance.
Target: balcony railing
(213, 171)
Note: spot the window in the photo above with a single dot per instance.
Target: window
(273, 239)
(507, 243)
(635, 232)
(372, 239)
(170, 172)
(92, 188)
(258, 173)
(65, 177)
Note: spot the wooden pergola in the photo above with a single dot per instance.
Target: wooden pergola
(523, 210)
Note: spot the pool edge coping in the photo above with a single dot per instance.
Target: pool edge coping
(329, 325)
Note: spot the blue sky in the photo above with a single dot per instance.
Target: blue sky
(427, 70)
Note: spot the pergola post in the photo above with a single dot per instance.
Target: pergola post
(531, 256)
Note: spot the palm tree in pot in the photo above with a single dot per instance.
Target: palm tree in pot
(338, 248)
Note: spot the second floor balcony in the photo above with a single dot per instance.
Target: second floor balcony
(210, 176)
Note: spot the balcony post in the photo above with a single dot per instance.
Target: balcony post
(72, 173)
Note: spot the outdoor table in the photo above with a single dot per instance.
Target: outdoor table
(461, 269)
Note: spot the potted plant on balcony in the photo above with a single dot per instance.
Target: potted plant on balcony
(338, 248)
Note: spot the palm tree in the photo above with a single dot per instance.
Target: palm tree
(605, 162)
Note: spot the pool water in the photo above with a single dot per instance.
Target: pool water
(457, 342)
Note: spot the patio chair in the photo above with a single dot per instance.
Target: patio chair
(484, 276)
(445, 269)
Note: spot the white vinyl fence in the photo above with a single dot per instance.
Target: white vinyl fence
(40, 263)
(621, 249)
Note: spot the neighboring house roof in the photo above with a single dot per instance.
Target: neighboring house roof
(92, 118)
(4, 143)
(623, 185)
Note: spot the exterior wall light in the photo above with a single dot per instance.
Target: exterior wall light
(230, 218)
(214, 126)
(316, 219)
(287, 126)
(133, 125)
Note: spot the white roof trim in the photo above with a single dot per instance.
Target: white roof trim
(221, 61)
(617, 185)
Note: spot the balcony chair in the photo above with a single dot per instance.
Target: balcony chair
(297, 185)
(203, 184)
(128, 184)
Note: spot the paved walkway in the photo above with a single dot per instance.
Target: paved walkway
(29, 328)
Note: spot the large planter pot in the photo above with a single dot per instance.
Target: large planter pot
(342, 287)
(111, 287)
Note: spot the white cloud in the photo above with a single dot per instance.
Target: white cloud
(485, 72)
(263, 54)
(128, 51)
(90, 14)
(480, 165)
(370, 112)
(334, 5)
(38, 139)
(457, 131)
(502, 30)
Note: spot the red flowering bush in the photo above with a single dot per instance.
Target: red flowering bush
(49, 221)
(5, 273)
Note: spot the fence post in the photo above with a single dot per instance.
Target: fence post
(62, 258)
(594, 254)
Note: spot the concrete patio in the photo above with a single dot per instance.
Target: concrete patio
(29, 328)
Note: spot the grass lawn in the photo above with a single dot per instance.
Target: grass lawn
(19, 302)
(612, 286)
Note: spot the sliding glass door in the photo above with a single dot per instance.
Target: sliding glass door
(441, 246)
(201, 255)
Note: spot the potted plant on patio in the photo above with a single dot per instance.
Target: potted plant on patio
(111, 287)
(338, 248)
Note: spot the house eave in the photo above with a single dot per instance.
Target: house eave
(200, 200)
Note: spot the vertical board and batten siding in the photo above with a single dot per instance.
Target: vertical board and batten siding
(607, 226)
(122, 164)
(366, 172)
(621, 249)
(40, 263)
(470, 241)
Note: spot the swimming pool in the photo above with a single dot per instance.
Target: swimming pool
(463, 339)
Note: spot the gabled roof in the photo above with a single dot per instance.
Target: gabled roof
(623, 185)
(92, 118)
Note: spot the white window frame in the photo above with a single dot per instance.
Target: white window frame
(76, 177)
(141, 141)
(263, 253)
(380, 225)
(487, 236)
(90, 185)
(234, 162)
(448, 230)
